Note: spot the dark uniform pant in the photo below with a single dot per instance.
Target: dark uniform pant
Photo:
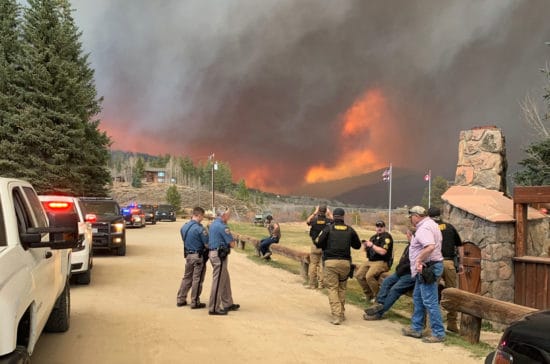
(192, 279)
(220, 295)
(336, 280)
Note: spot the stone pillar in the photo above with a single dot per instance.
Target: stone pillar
(482, 159)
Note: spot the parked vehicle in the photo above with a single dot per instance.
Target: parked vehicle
(260, 219)
(526, 341)
(150, 212)
(133, 216)
(82, 254)
(35, 260)
(108, 226)
(166, 212)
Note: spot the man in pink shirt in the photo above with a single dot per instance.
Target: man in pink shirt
(426, 268)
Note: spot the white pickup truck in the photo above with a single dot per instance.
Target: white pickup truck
(35, 249)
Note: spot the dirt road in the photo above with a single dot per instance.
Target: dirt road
(128, 314)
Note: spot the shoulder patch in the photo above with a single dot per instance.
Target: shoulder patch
(442, 226)
(227, 231)
(387, 241)
(340, 227)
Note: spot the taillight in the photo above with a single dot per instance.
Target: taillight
(91, 218)
(57, 206)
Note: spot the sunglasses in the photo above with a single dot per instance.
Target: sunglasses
(379, 225)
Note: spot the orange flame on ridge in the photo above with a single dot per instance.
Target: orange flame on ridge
(362, 122)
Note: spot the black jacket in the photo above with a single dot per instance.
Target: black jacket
(336, 241)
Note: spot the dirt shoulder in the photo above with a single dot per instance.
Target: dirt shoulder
(128, 315)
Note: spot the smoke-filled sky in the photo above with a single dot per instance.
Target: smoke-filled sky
(291, 91)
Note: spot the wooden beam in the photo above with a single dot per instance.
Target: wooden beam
(520, 232)
(454, 299)
(531, 194)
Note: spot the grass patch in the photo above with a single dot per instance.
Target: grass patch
(295, 235)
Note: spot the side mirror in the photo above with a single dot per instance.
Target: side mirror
(63, 232)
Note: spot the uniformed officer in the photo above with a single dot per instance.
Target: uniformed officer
(379, 251)
(317, 221)
(195, 239)
(336, 241)
(452, 263)
(221, 298)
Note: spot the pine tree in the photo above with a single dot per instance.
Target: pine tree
(55, 143)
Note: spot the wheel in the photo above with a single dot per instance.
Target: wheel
(121, 251)
(84, 278)
(60, 316)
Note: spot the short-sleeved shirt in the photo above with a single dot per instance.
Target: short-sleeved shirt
(194, 236)
(451, 239)
(219, 234)
(427, 233)
(383, 240)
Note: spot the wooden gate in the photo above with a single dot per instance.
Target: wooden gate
(531, 274)
(470, 279)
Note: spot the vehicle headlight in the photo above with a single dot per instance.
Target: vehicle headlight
(118, 227)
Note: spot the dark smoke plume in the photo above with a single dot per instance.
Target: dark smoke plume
(265, 85)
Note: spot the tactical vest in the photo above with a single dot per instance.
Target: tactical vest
(338, 242)
(317, 225)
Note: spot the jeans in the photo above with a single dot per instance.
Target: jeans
(392, 288)
(266, 243)
(425, 298)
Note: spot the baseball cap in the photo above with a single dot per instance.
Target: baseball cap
(434, 212)
(419, 210)
(380, 223)
(339, 212)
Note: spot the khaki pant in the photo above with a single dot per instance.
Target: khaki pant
(220, 294)
(367, 276)
(192, 279)
(450, 277)
(315, 270)
(336, 280)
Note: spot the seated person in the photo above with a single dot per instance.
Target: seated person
(274, 236)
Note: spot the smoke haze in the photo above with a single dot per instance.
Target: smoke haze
(295, 91)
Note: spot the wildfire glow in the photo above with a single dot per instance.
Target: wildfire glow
(362, 126)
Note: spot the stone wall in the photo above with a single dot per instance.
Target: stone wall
(496, 241)
(482, 159)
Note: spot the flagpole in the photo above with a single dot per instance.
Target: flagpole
(429, 188)
(389, 201)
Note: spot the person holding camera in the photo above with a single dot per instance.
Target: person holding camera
(195, 239)
(379, 251)
(426, 268)
(274, 231)
(220, 243)
(336, 241)
(317, 221)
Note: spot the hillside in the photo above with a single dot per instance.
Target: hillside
(370, 190)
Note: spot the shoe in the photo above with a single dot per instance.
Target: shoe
(180, 304)
(198, 305)
(453, 328)
(336, 321)
(374, 309)
(372, 317)
(233, 307)
(267, 255)
(407, 331)
(433, 339)
(218, 313)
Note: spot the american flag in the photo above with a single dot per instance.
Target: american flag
(386, 175)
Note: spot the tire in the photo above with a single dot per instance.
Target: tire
(61, 314)
(84, 278)
(19, 356)
(121, 251)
